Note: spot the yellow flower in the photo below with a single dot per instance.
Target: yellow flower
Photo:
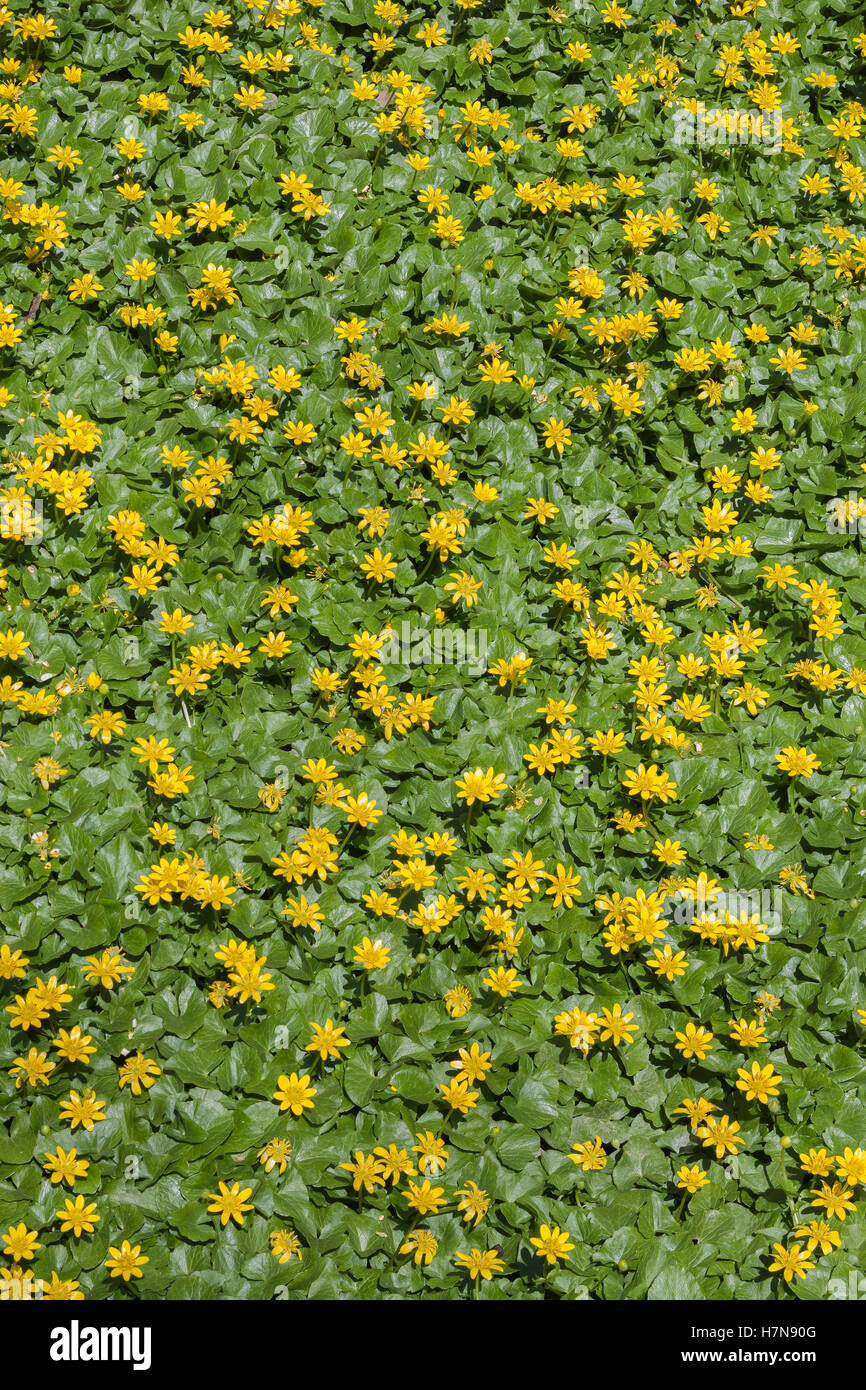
(692, 1179)
(231, 1203)
(759, 1083)
(552, 1244)
(78, 1216)
(327, 1040)
(790, 1262)
(797, 762)
(125, 1261)
(695, 1042)
(483, 1263)
(295, 1093)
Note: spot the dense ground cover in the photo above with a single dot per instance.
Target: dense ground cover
(434, 663)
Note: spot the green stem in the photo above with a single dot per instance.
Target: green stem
(345, 838)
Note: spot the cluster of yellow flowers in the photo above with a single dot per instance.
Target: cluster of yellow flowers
(444, 442)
